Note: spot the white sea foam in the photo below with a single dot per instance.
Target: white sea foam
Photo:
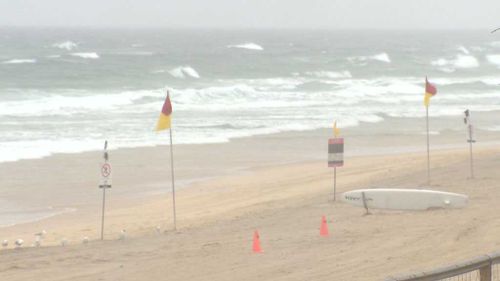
(89, 55)
(248, 46)
(460, 61)
(463, 50)
(229, 109)
(19, 61)
(71, 102)
(494, 59)
(329, 74)
(447, 69)
(183, 72)
(466, 62)
(382, 57)
(487, 80)
(66, 45)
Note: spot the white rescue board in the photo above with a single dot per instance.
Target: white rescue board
(405, 199)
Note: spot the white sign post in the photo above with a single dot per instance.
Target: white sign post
(105, 183)
(470, 139)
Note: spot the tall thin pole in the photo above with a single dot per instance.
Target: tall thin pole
(104, 185)
(173, 180)
(470, 150)
(428, 150)
(334, 182)
(103, 208)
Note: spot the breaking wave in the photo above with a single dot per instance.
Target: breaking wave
(382, 57)
(494, 59)
(19, 61)
(90, 55)
(66, 45)
(329, 74)
(183, 72)
(460, 61)
(463, 50)
(248, 46)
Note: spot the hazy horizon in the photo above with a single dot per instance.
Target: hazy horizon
(241, 14)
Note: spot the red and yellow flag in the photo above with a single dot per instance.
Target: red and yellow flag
(165, 119)
(430, 91)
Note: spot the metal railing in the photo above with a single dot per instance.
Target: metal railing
(483, 268)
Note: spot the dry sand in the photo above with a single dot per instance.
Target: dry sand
(264, 183)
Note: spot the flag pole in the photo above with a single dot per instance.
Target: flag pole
(428, 150)
(470, 150)
(334, 182)
(103, 208)
(470, 140)
(173, 180)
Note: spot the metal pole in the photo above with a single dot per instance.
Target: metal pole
(428, 150)
(334, 182)
(103, 208)
(173, 180)
(470, 150)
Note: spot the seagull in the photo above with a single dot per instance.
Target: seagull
(5, 243)
(64, 242)
(158, 229)
(85, 240)
(38, 241)
(123, 234)
(19, 243)
(495, 30)
(41, 234)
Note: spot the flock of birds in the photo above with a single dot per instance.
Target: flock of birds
(18, 243)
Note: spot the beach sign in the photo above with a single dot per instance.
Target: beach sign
(105, 175)
(335, 152)
(335, 157)
(105, 169)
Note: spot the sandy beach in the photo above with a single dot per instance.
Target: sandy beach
(277, 184)
(236, 104)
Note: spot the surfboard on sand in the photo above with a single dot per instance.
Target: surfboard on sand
(405, 199)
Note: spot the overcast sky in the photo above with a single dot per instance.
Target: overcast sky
(337, 14)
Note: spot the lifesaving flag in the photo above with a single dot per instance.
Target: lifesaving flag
(430, 91)
(336, 131)
(164, 121)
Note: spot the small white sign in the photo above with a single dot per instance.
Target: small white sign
(105, 175)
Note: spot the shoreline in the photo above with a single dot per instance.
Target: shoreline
(389, 125)
(366, 140)
(199, 163)
(285, 203)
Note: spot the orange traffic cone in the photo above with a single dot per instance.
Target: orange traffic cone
(256, 242)
(323, 231)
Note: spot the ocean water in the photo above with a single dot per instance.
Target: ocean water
(67, 90)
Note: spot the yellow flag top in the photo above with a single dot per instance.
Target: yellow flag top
(165, 119)
(336, 131)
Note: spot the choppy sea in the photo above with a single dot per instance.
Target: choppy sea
(68, 90)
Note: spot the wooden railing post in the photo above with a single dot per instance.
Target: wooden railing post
(485, 273)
